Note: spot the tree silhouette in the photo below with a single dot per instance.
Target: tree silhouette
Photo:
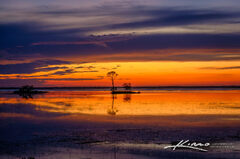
(127, 86)
(112, 75)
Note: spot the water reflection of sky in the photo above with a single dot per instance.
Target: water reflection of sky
(103, 103)
(137, 122)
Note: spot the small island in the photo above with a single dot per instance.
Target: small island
(28, 91)
(127, 86)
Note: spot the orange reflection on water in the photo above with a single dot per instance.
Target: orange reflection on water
(146, 103)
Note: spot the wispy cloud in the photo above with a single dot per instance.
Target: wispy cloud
(30, 67)
(67, 71)
(97, 40)
(177, 17)
(126, 28)
(221, 68)
(100, 43)
(72, 79)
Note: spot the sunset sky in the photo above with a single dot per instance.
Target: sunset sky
(147, 42)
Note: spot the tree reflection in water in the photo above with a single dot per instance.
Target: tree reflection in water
(127, 98)
(112, 110)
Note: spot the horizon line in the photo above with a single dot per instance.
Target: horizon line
(193, 86)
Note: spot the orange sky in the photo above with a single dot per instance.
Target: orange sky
(150, 74)
(155, 73)
(148, 43)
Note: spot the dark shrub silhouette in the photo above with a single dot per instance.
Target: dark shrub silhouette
(27, 91)
(127, 86)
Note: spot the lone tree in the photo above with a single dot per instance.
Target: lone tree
(112, 75)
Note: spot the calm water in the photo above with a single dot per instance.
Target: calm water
(97, 124)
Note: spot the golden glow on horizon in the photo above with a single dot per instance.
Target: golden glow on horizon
(142, 74)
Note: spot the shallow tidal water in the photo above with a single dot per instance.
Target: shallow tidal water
(97, 124)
